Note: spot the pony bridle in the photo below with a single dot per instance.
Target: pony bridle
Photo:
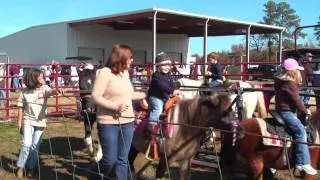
(87, 109)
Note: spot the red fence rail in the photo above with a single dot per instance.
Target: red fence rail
(198, 72)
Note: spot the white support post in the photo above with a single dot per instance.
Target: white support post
(205, 46)
(247, 51)
(280, 47)
(154, 40)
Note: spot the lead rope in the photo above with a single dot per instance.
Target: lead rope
(287, 158)
(93, 139)
(70, 148)
(74, 166)
(216, 154)
(164, 151)
(117, 116)
(54, 158)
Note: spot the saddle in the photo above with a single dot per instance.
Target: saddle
(142, 121)
(152, 151)
(275, 125)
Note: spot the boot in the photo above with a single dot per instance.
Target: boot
(153, 129)
(20, 173)
(32, 172)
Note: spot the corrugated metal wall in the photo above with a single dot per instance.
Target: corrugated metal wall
(105, 37)
(39, 44)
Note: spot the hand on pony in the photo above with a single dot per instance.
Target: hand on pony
(176, 92)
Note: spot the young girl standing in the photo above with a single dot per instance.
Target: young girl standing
(32, 112)
(287, 102)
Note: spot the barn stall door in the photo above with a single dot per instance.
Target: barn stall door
(139, 57)
(97, 54)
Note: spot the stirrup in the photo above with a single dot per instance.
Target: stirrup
(153, 143)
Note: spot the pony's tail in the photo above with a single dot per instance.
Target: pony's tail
(261, 106)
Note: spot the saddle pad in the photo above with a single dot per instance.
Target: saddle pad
(274, 127)
(274, 138)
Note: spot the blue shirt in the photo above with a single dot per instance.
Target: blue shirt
(216, 71)
(161, 86)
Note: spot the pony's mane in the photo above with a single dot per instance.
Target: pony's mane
(315, 118)
(188, 109)
(192, 111)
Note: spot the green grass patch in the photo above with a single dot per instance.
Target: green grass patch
(10, 139)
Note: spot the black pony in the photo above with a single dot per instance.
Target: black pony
(87, 77)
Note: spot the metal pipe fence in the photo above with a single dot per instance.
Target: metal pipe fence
(142, 74)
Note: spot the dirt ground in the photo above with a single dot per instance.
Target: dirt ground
(58, 160)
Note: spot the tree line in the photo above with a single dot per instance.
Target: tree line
(265, 47)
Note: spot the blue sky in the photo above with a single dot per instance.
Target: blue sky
(20, 14)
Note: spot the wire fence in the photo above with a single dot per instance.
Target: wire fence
(77, 168)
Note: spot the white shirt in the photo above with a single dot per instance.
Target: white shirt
(74, 74)
(47, 73)
(34, 103)
(21, 73)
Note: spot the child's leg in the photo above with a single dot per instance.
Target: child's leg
(36, 140)
(26, 144)
(156, 106)
(216, 83)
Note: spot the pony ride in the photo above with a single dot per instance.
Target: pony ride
(251, 100)
(258, 153)
(213, 111)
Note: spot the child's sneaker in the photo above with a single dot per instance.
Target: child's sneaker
(307, 168)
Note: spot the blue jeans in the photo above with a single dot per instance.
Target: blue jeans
(114, 162)
(156, 106)
(2, 97)
(216, 83)
(299, 134)
(29, 151)
(15, 83)
(305, 99)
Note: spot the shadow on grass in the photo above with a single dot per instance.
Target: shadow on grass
(57, 162)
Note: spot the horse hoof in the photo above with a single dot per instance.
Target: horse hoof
(91, 151)
(98, 155)
(88, 141)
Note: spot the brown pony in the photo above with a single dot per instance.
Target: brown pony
(250, 151)
(213, 111)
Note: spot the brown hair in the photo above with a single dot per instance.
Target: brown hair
(118, 58)
(31, 78)
(213, 55)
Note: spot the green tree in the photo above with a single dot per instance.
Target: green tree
(281, 14)
(317, 33)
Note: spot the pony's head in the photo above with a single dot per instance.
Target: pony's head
(212, 111)
(217, 109)
(86, 81)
